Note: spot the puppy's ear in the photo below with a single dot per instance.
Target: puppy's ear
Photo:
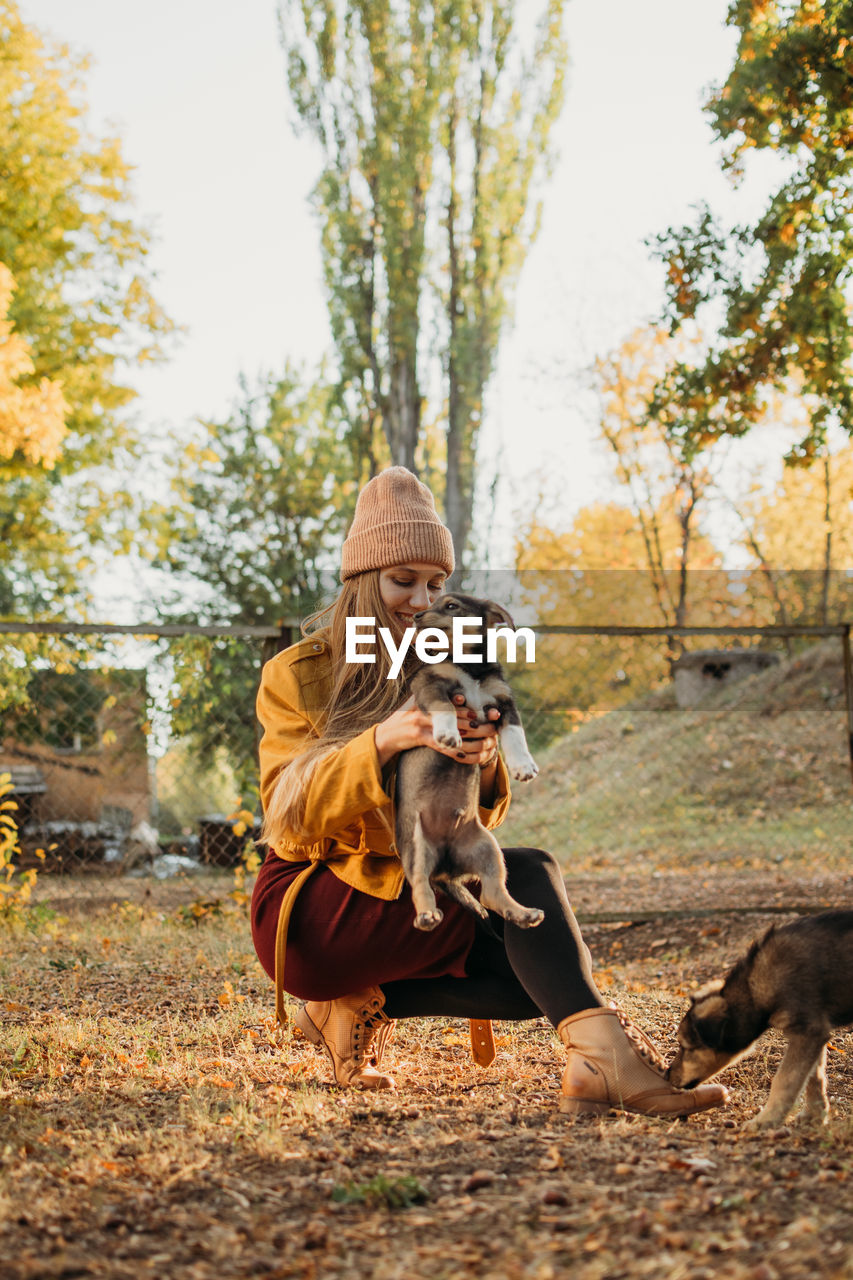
(497, 616)
(710, 1016)
(709, 989)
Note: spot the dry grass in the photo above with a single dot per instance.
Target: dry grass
(152, 1125)
(758, 774)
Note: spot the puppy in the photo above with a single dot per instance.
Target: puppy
(797, 978)
(440, 837)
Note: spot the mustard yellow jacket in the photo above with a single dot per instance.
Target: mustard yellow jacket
(348, 810)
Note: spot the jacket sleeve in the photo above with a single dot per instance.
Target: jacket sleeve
(493, 815)
(343, 785)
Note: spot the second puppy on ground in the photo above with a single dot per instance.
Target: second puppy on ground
(440, 838)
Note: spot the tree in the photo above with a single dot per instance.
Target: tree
(32, 418)
(660, 461)
(782, 284)
(434, 123)
(596, 573)
(82, 304)
(262, 500)
(805, 523)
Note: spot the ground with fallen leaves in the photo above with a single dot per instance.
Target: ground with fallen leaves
(152, 1125)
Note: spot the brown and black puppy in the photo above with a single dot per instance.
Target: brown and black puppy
(798, 978)
(440, 837)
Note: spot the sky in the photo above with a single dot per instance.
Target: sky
(196, 91)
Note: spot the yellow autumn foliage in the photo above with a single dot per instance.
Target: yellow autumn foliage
(15, 887)
(791, 524)
(32, 417)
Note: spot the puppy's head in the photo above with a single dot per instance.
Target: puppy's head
(442, 611)
(707, 1039)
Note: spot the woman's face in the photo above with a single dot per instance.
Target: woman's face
(407, 588)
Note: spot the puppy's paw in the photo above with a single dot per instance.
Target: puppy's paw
(812, 1117)
(445, 730)
(526, 919)
(763, 1122)
(427, 920)
(524, 770)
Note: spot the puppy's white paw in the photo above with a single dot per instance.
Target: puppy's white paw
(524, 770)
(427, 920)
(526, 919)
(445, 730)
(519, 761)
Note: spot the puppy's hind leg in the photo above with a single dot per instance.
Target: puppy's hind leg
(815, 1100)
(801, 1057)
(427, 913)
(484, 858)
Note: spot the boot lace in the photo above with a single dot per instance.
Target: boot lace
(369, 1021)
(641, 1042)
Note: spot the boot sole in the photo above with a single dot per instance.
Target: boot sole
(578, 1107)
(581, 1107)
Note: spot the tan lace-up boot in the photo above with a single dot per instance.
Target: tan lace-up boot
(354, 1032)
(611, 1063)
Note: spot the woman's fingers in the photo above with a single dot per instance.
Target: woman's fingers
(409, 727)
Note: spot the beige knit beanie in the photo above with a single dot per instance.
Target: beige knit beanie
(395, 521)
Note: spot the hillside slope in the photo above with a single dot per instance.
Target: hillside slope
(757, 774)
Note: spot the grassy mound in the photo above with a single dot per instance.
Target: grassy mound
(758, 772)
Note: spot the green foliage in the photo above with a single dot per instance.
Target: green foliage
(434, 121)
(213, 707)
(382, 1192)
(781, 284)
(262, 502)
(83, 305)
(62, 708)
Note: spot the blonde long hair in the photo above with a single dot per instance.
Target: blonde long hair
(362, 696)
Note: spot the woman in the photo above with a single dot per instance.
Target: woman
(332, 915)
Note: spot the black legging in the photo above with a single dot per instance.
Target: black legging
(521, 973)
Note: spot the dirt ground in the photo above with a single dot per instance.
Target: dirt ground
(151, 1126)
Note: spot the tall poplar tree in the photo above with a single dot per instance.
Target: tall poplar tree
(434, 120)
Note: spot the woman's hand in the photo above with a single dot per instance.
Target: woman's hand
(409, 727)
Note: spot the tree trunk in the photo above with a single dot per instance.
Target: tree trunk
(403, 418)
(453, 504)
(827, 553)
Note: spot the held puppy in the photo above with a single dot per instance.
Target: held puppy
(798, 978)
(440, 837)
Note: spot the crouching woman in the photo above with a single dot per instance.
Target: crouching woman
(332, 914)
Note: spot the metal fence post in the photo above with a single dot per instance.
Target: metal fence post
(848, 689)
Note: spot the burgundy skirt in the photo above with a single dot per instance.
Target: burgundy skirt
(342, 940)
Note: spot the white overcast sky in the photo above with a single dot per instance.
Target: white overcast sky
(196, 89)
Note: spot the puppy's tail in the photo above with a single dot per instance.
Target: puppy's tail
(467, 900)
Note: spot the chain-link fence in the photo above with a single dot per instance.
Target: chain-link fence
(135, 749)
(132, 747)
